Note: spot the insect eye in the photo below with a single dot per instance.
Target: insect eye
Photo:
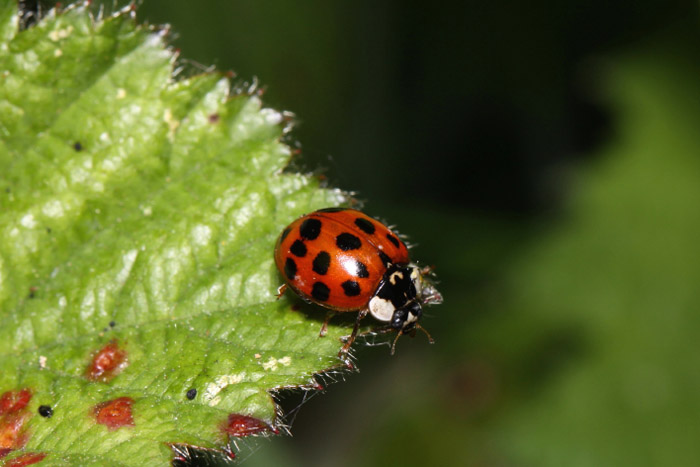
(415, 309)
(399, 318)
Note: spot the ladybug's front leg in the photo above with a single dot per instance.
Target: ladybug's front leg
(351, 339)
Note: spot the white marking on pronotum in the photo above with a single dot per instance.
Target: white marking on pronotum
(395, 276)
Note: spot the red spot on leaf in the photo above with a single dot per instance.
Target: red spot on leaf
(26, 459)
(14, 401)
(239, 426)
(12, 433)
(107, 363)
(13, 416)
(114, 414)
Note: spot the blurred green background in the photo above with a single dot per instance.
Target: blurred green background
(545, 157)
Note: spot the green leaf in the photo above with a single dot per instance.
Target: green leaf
(138, 214)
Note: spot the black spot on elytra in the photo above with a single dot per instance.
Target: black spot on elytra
(298, 248)
(351, 288)
(290, 268)
(332, 210)
(191, 394)
(361, 270)
(320, 292)
(284, 234)
(365, 225)
(77, 146)
(45, 411)
(393, 240)
(321, 263)
(347, 241)
(386, 259)
(310, 229)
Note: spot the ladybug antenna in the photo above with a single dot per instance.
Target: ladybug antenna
(413, 332)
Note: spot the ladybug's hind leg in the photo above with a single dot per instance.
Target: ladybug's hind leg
(351, 339)
(281, 290)
(324, 326)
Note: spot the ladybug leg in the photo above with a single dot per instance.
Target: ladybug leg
(393, 344)
(430, 338)
(324, 326)
(351, 339)
(281, 290)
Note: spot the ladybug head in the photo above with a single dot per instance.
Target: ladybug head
(405, 318)
(400, 297)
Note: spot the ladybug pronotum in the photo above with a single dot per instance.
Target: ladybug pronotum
(343, 260)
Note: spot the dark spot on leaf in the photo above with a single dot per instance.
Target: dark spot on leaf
(112, 324)
(45, 411)
(114, 413)
(365, 225)
(77, 146)
(28, 458)
(32, 292)
(213, 118)
(298, 248)
(310, 229)
(240, 426)
(107, 363)
(48, 230)
(192, 393)
(347, 241)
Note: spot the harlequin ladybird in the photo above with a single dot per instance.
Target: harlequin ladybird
(346, 261)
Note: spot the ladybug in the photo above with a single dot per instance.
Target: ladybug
(346, 261)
